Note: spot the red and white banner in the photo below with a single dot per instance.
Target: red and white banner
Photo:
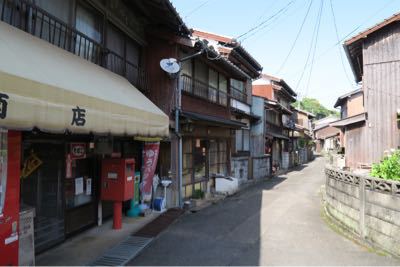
(150, 157)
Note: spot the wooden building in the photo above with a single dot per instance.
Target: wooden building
(374, 58)
(74, 75)
(278, 97)
(240, 99)
(326, 137)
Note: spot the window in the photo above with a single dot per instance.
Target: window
(212, 85)
(199, 159)
(88, 22)
(3, 167)
(218, 157)
(187, 161)
(242, 140)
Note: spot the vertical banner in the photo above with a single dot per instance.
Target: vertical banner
(150, 157)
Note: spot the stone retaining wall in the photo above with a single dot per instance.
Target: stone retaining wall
(369, 207)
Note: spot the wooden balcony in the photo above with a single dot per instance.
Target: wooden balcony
(203, 90)
(28, 17)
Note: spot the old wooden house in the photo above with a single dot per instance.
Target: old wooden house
(75, 81)
(277, 96)
(240, 99)
(374, 58)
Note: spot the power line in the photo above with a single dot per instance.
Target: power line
(315, 46)
(345, 37)
(339, 50)
(266, 20)
(310, 50)
(196, 8)
(297, 37)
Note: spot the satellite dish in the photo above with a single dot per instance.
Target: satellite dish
(170, 65)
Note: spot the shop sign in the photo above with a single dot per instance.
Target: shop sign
(30, 165)
(78, 150)
(150, 157)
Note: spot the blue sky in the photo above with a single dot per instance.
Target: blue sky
(280, 23)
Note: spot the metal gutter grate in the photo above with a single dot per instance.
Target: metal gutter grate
(122, 253)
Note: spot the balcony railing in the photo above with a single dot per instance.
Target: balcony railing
(203, 90)
(32, 19)
(238, 94)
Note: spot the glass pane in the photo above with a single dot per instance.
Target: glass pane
(223, 83)
(58, 8)
(3, 167)
(200, 160)
(246, 140)
(213, 78)
(88, 23)
(201, 71)
(239, 140)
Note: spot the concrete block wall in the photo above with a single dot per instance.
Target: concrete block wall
(261, 167)
(240, 168)
(368, 206)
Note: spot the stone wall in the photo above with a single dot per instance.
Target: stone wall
(261, 166)
(369, 207)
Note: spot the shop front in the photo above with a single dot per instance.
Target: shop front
(206, 152)
(60, 116)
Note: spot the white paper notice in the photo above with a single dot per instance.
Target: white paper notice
(78, 186)
(89, 186)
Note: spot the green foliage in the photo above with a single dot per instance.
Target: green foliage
(312, 105)
(198, 194)
(388, 168)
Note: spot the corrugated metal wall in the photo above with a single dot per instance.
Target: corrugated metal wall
(381, 85)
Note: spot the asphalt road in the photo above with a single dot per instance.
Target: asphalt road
(276, 222)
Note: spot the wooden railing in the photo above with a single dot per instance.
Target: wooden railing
(203, 90)
(32, 19)
(238, 94)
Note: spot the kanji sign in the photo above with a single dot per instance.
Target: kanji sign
(78, 150)
(30, 165)
(3, 105)
(150, 157)
(78, 116)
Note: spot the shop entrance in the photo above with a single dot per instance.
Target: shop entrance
(41, 188)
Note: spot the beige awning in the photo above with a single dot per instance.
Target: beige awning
(46, 87)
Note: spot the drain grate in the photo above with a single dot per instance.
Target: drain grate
(123, 252)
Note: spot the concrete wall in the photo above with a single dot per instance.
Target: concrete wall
(240, 168)
(261, 167)
(369, 207)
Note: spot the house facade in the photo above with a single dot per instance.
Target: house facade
(277, 97)
(301, 136)
(76, 78)
(373, 57)
(326, 137)
(240, 99)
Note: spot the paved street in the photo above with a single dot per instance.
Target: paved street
(277, 222)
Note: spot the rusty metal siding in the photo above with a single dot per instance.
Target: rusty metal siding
(381, 85)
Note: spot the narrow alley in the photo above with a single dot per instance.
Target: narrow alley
(278, 222)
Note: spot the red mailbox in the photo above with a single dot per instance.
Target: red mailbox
(117, 179)
(117, 184)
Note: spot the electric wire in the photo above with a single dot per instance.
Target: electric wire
(310, 50)
(322, 54)
(339, 49)
(315, 47)
(297, 37)
(196, 9)
(265, 21)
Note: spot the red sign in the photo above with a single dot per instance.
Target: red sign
(78, 150)
(150, 157)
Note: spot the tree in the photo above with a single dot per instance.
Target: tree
(314, 106)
